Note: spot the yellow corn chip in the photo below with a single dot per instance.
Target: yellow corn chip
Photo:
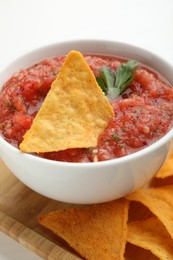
(150, 234)
(167, 168)
(95, 232)
(159, 201)
(74, 113)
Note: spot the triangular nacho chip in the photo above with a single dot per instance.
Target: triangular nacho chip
(151, 234)
(159, 201)
(74, 113)
(95, 232)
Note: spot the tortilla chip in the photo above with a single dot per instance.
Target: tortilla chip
(150, 234)
(74, 113)
(159, 201)
(167, 168)
(95, 232)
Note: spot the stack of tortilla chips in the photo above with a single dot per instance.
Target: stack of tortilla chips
(102, 231)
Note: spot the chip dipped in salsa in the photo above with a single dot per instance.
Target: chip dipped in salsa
(142, 101)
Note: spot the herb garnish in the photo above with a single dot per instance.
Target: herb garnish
(114, 83)
(116, 137)
(10, 105)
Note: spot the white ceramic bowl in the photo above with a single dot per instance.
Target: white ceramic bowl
(86, 183)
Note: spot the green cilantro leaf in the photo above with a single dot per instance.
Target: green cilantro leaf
(115, 83)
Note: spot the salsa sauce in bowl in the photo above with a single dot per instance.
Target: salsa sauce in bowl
(143, 113)
(130, 150)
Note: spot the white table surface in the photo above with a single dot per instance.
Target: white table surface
(26, 24)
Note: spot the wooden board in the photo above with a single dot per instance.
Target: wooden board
(19, 211)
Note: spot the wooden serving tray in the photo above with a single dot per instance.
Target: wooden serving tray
(19, 211)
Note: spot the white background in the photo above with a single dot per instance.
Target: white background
(25, 24)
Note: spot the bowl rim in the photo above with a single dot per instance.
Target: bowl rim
(136, 155)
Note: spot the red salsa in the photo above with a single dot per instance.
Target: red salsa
(143, 113)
